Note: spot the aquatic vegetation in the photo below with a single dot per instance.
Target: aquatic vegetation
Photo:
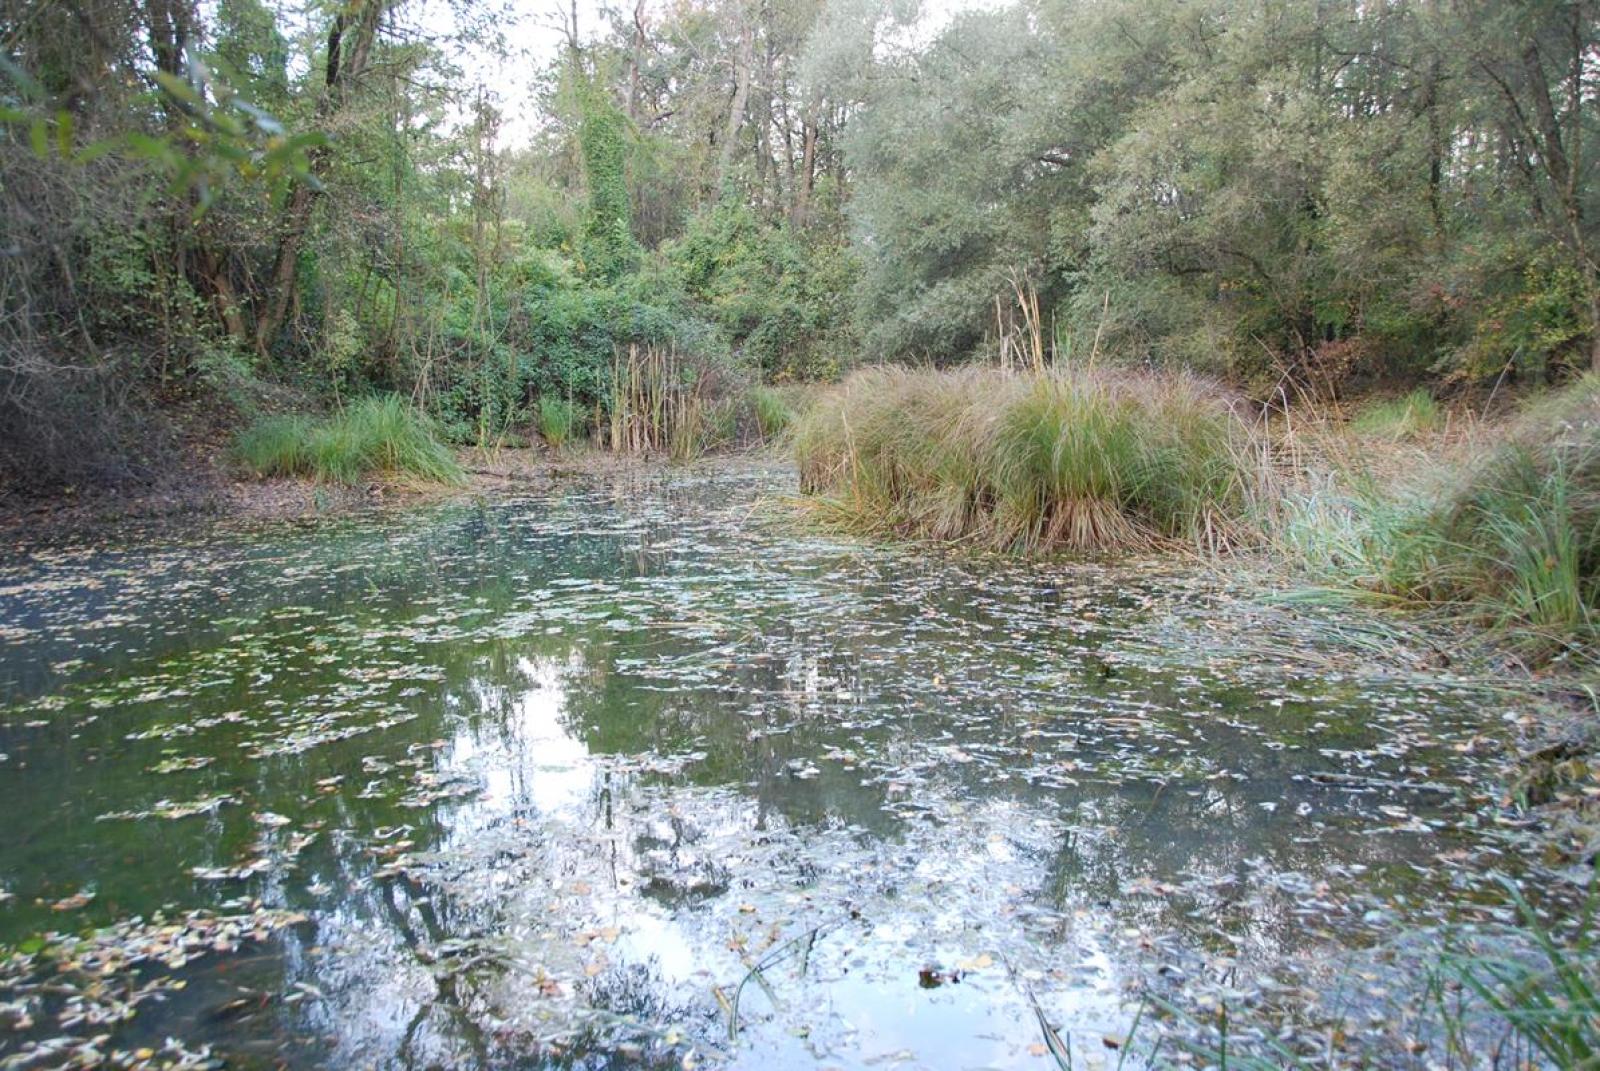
(1082, 461)
(1548, 998)
(1510, 536)
(666, 402)
(375, 434)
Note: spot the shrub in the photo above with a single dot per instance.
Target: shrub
(1085, 461)
(376, 434)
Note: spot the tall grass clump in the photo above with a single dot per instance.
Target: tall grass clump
(1399, 418)
(376, 434)
(1513, 538)
(274, 445)
(558, 420)
(773, 414)
(1087, 462)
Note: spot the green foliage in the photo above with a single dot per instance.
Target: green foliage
(609, 248)
(781, 298)
(1399, 418)
(1083, 462)
(375, 434)
(1206, 193)
(1530, 321)
(558, 420)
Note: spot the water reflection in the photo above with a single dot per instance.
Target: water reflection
(620, 774)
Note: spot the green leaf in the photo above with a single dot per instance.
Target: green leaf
(64, 129)
(20, 78)
(178, 89)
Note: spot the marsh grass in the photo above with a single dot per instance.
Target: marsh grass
(558, 420)
(1035, 462)
(1511, 535)
(376, 434)
(1497, 527)
(772, 412)
(1405, 417)
(1546, 1001)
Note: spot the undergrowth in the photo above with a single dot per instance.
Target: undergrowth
(376, 434)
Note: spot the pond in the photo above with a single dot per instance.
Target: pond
(629, 773)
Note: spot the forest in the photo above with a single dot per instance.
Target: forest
(213, 214)
(800, 534)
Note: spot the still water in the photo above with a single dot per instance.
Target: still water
(629, 773)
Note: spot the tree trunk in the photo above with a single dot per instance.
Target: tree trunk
(636, 61)
(349, 47)
(1594, 330)
(801, 204)
(743, 61)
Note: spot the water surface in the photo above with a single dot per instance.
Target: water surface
(627, 774)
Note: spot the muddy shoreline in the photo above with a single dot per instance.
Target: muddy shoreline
(207, 487)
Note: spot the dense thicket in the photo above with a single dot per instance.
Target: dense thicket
(207, 204)
(202, 205)
(1308, 189)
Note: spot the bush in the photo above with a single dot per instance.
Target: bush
(376, 434)
(1089, 462)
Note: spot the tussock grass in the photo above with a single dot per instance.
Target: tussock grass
(1512, 536)
(772, 411)
(377, 434)
(558, 420)
(1085, 462)
(1501, 529)
(1399, 418)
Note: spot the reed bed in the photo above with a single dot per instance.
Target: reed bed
(664, 403)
